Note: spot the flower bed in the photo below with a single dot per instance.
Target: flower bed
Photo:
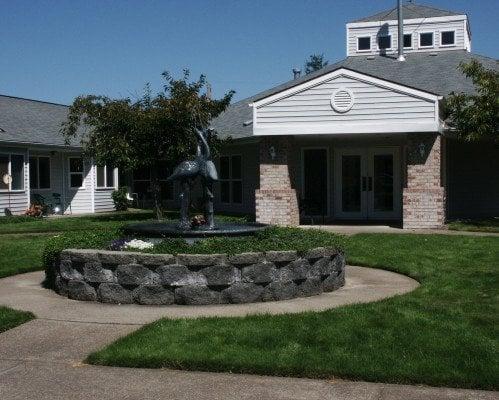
(195, 279)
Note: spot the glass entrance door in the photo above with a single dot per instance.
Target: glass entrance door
(315, 182)
(367, 183)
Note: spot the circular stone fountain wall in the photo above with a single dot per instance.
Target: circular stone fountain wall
(126, 277)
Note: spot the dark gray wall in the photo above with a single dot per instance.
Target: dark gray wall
(472, 179)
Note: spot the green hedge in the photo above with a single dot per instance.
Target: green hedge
(274, 238)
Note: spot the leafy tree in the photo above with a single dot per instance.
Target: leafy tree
(314, 63)
(475, 116)
(146, 132)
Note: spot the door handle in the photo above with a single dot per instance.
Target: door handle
(370, 184)
(364, 183)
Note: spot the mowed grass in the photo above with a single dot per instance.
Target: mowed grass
(21, 253)
(10, 318)
(484, 225)
(445, 333)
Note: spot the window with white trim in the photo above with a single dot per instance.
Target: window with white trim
(105, 177)
(385, 42)
(231, 183)
(426, 39)
(364, 43)
(448, 38)
(75, 172)
(12, 165)
(408, 41)
(39, 172)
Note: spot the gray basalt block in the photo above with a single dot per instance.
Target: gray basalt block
(243, 293)
(246, 258)
(201, 260)
(310, 287)
(136, 274)
(321, 268)
(320, 252)
(68, 272)
(81, 255)
(259, 273)
(94, 273)
(334, 281)
(338, 262)
(295, 270)
(221, 275)
(179, 275)
(197, 295)
(79, 290)
(281, 256)
(114, 293)
(61, 286)
(155, 260)
(280, 291)
(117, 257)
(153, 295)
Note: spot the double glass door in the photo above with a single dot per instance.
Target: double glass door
(367, 183)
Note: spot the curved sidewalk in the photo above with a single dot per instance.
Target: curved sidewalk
(363, 285)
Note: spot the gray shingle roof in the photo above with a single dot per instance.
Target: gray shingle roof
(31, 121)
(410, 11)
(437, 74)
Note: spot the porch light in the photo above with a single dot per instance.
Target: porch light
(272, 152)
(422, 150)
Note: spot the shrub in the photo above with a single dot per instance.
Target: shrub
(121, 202)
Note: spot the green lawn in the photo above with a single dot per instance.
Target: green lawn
(485, 225)
(445, 333)
(10, 318)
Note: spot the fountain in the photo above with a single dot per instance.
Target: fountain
(186, 173)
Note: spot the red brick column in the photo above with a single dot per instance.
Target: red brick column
(424, 194)
(276, 201)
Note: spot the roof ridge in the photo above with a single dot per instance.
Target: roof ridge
(34, 100)
(433, 8)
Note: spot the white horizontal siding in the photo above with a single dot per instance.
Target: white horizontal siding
(353, 33)
(371, 104)
(16, 201)
(78, 200)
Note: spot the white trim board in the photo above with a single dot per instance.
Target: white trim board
(450, 18)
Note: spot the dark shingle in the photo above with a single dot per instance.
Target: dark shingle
(410, 11)
(435, 73)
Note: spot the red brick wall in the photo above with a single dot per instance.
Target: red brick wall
(276, 201)
(424, 194)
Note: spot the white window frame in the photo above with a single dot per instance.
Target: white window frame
(82, 173)
(412, 41)
(433, 40)
(448, 31)
(370, 44)
(231, 180)
(384, 36)
(9, 171)
(37, 157)
(106, 186)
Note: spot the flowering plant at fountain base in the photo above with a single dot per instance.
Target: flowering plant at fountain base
(125, 244)
(197, 220)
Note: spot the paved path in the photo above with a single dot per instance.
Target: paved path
(355, 229)
(42, 358)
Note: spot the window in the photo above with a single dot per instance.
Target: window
(39, 172)
(105, 176)
(363, 43)
(76, 172)
(231, 184)
(142, 182)
(426, 39)
(448, 38)
(13, 165)
(385, 42)
(408, 41)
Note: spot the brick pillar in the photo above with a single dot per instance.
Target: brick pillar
(424, 193)
(276, 201)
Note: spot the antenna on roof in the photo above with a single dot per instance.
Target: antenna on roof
(401, 56)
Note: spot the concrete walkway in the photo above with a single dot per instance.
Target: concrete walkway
(355, 229)
(42, 358)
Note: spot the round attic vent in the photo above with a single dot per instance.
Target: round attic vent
(342, 100)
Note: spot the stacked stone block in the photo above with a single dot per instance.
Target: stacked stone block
(196, 279)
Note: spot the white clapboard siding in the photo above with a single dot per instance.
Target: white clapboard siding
(16, 201)
(80, 199)
(372, 103)
(458, 25)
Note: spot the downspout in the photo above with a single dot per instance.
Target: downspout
(401, 56)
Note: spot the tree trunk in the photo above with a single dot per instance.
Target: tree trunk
(156, 191)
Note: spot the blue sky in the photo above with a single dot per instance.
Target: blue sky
(55, 50)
